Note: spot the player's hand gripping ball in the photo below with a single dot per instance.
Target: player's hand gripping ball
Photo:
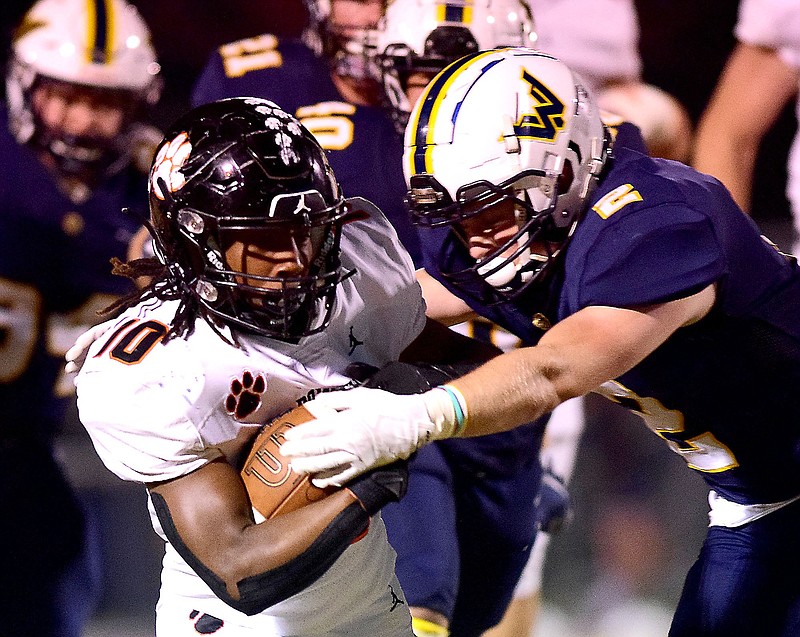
(273, 487)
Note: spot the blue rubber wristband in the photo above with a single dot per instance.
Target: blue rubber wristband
(461, 418)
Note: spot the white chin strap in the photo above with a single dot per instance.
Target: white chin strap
(502, 277)
(505, 274)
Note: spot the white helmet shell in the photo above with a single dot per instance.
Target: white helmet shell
(493, 23)
(496, 114)
(99, 43)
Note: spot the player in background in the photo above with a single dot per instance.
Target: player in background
(268, 286)
(661, 296)
(764, 63)
(486, 489)
(79, 80)
(329, 81)
(417, 39)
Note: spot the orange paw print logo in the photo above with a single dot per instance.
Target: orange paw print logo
(245, 395)
(168, 163)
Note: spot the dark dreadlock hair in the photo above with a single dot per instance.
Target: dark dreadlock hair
(154, 280)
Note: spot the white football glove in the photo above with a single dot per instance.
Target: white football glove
(76, 354)
(371, 427)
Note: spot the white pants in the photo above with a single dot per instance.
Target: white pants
(185, 619)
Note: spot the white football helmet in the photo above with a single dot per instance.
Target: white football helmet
(98, 45)
(427, 35)
(508, 124)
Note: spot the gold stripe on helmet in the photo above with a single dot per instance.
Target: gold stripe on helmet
(426, 113)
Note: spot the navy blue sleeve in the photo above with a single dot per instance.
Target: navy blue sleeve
(291, 76)
(638, 259)
(270, 83)
(629, 136)
(210, 85)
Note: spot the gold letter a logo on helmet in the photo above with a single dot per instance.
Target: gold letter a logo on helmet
(548, 115)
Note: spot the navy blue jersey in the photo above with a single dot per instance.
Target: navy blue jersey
(659, 231)
(54, 275)
(364, 149)
(722, 391)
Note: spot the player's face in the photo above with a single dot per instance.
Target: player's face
(348, 17)
(486, 232)
(79, 111)
(279, 254)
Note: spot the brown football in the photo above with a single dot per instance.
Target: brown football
(273, 487)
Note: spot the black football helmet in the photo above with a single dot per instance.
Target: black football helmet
(235, 166)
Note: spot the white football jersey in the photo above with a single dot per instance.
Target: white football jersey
(157, 411)
(599, 39)
(771, 23)
(775, 24)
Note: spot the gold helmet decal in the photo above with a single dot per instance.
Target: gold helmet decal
(547, 118)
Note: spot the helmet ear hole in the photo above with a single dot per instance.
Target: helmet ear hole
(565, 179)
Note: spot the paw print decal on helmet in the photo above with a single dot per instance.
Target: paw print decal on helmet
(245, 395)
(168, 163)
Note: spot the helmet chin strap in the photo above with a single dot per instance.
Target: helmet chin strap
(507, 270)
(501, 277)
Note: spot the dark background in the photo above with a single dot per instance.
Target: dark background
(684, 45)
